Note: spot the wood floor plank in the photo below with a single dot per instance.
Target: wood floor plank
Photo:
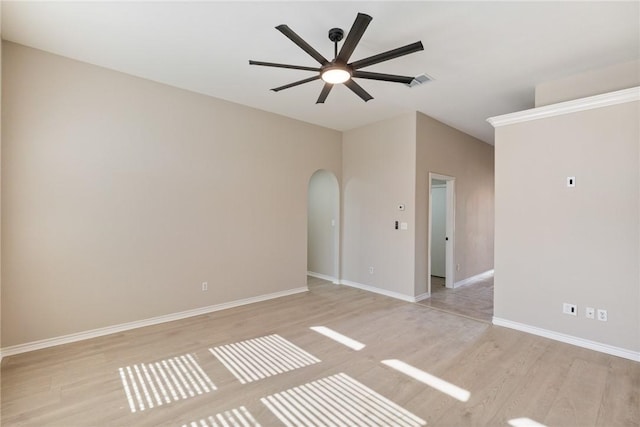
(499, 382)
(538, 387)
(579, 408)
(509, 374)
(620, 404)
(474, 300)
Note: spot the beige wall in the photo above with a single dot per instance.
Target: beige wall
(595, 82)
(389, 163)
(121, 196)
(323, 224)
(447, 151)
(0, 180)
(378, 174)
(578, 245)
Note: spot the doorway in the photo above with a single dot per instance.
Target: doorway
(473, 297)
(323, 227)
(441, 231)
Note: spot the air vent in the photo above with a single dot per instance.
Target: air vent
(420, 80)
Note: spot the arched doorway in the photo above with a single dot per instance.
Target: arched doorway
(323, 226)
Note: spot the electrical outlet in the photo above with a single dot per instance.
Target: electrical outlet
(205, 286)
(590, 312)
(602, 315)
(370, 270)
(571, 309)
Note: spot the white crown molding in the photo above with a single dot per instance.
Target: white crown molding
(384, 292)
(582, 104)
(94, 333)
(569, 339)
(477, 277)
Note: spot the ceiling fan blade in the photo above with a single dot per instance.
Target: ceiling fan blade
(273, 64)
(324, 93)
(353, 38)
(299, 82)
(385, 56)
(301, 43)
(357, 89)
(383, 77)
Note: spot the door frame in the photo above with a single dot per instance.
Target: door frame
(450, 216)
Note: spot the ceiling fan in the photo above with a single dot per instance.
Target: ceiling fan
(339, 70)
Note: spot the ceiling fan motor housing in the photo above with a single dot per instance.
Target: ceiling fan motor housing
(336, 34)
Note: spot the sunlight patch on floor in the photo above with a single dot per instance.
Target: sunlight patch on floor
(158, 383)
(524, 422)
(338, 400)
(235, 417)
(336, 336)
(262, 357)
(428, 379)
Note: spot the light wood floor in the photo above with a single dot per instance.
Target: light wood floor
(474, 300)
(509, 374)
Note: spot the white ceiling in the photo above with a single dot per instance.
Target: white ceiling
(486, 57)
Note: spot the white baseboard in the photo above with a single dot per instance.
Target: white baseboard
(323, 277)
(94, 333)
(422, 297)
(384, 292)
(469, 280)
(569, 339)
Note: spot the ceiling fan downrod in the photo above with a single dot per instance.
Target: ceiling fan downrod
(335, 35)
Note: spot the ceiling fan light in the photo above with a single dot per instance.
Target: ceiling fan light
(336, 75)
